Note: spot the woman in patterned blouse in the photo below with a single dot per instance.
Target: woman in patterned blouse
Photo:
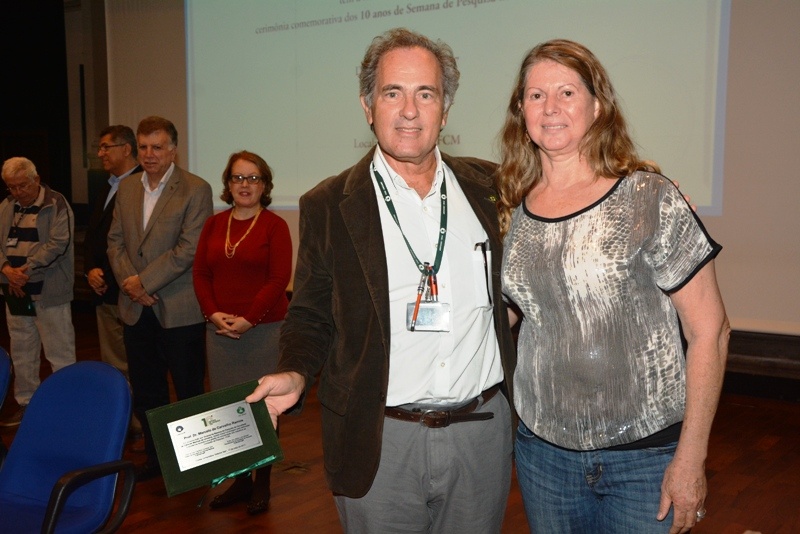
(606, 263)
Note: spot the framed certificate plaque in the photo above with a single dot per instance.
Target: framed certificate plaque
(202, 440)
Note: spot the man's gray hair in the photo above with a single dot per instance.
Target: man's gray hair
(404, 38)
(14, 166)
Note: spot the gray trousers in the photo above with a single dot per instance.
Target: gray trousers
(437, 480)
(51, 328)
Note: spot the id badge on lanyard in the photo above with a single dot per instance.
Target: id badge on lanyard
(428, 315)
(12, 240)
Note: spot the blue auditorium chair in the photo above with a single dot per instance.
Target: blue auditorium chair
(60, 473)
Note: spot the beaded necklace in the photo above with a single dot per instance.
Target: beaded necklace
(230, 250)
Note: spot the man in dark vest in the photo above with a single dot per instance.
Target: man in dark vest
(117, 152)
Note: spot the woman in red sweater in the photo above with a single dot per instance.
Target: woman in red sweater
(241, 271)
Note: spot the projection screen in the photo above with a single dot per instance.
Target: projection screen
(280, 78)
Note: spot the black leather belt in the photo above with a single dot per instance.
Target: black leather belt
(444, 418)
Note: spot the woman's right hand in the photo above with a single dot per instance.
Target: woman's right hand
(224, 323)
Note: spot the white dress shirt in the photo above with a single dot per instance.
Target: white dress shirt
(151, 196)
(437, 367)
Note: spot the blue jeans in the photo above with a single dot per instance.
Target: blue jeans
(597, 491)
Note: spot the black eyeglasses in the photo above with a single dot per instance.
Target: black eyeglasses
(240, 178)
(104, 148)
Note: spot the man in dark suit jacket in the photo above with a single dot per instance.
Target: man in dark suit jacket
(117, 152)
(158, 216)
(415, 437)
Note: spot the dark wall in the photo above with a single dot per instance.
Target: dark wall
(34, 112)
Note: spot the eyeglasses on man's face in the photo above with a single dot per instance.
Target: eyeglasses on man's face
(20, 187)
(240, 178)
(104, 148)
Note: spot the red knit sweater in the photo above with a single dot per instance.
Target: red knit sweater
(253, 283)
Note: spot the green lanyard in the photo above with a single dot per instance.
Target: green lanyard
(442, 223)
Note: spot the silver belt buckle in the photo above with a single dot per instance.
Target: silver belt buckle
(435, 418)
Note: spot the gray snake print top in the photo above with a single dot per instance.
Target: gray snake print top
(600, 359)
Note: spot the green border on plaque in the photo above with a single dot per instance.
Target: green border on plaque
(177, 481)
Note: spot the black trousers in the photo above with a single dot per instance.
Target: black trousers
(153, 353)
